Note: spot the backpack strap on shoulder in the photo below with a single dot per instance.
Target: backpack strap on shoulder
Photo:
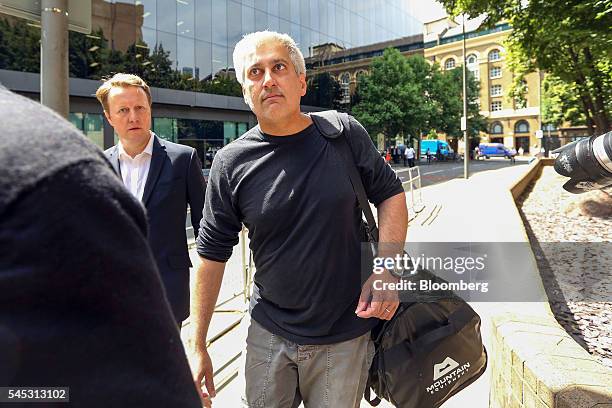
(332, 124)
(329, 123)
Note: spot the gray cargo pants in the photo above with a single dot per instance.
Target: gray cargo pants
(280, 373)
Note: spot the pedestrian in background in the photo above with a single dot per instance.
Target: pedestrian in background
(409, 155)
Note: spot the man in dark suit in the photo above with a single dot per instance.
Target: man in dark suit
(81, 302)
(164, 176)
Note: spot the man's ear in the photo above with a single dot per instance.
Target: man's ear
(303, 84)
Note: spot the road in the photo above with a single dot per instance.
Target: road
(439, 172)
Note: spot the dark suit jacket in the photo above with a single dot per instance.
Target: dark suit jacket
(175, 179)
(81, 302)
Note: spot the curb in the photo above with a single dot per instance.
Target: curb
(535, 363)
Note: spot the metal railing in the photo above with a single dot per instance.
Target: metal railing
(413, 190)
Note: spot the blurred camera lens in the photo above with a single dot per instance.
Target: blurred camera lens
(588, 163)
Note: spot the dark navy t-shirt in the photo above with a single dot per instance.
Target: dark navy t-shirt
(295, 197)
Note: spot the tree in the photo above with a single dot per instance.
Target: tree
(20, 49)
(87, 54)
(159, 71)
(409, 96)
(569, 39)
(451, 95)
(90, 57)
(6, 51)
(445, 89)
(222, 85)
(392, 97)
(560, 102)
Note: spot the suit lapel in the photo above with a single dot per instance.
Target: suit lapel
(157, 162)
(114, 160)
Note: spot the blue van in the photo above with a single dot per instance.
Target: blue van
(488, 150)
(437, 148)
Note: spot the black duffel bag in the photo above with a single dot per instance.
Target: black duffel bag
(430, 349)
(426, 353)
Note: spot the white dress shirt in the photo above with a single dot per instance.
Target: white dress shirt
(134, 171)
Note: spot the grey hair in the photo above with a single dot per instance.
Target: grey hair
(249, 43)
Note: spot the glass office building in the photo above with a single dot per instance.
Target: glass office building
(201, 34)
(179, 45)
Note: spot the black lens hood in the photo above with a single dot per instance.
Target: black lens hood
(567, 163)
(579, 161)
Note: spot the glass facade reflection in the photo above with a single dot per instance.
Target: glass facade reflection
(200, 35)
(91, 125)
(206, 136)
(187, 45)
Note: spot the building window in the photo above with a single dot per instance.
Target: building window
(345, 86)
(496, 90)
(472, 65)
(496, 106)
(449, 64)
(497, 128)
(91, 125)
(494, 55)
(496, 72)
(521, 127)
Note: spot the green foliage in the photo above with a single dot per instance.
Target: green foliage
(560, 102)
(569, 39)
(90, 57)
(221, 85)
(392, 96)
(407, 96)
(447, 92)
(19, 46)
(432, 135)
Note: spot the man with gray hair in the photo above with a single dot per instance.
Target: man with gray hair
(309, 332)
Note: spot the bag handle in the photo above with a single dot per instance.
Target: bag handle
(456, 321)
(335, 126)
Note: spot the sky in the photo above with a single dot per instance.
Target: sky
(426, 10)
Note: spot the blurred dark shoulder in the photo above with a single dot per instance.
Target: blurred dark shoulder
(36, 143)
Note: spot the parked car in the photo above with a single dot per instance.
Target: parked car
(488, 150)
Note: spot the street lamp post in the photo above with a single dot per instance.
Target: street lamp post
(54, 55)
(464, 124)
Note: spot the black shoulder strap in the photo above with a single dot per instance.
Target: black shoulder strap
(336, 127)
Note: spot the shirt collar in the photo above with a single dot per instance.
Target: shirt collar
(148, 148)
